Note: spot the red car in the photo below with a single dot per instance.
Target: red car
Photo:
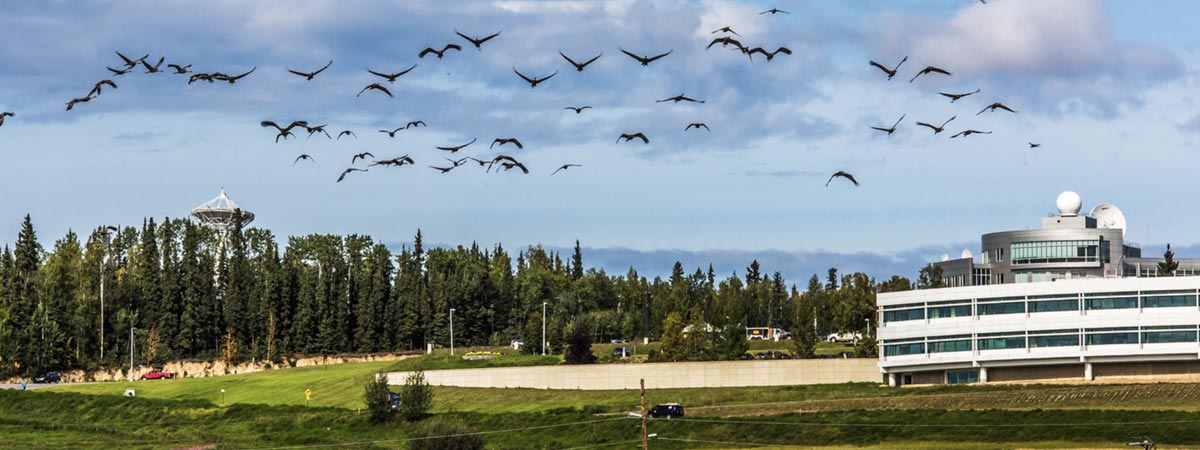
(157, 374)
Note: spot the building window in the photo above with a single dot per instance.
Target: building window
(988, 309)
(1067, 340)
(1169, 301)
(949, 311)
(950, 346)
(903, 315)
(962, 376)
(1002, 343)
(1112, 303)
(1163, 337)
(1053, 305)
(915, 348)
(1112, 338)
(1056, 252)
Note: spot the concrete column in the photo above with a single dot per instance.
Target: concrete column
(1087, 372)
(892, 379)
(983, 374)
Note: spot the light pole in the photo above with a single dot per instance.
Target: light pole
(103, 262)
(451, 331)
(131, 354)
(543, 328)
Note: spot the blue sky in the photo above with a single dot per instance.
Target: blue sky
(1108, 88)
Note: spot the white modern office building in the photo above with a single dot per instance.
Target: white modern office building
(1068, 307)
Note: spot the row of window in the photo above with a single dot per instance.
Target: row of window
(1058, 252)
(1042, 339)
(1034, 304)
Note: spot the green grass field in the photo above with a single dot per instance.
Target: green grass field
(267, 410)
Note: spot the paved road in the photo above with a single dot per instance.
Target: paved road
(32, 386)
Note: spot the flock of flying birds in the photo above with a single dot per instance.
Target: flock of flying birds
(503, 162)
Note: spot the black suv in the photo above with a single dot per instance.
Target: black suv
(48, 377)
(667, 410)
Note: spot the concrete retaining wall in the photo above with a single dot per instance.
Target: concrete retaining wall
(659, 375)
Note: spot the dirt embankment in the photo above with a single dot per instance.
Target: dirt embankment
(196, 368)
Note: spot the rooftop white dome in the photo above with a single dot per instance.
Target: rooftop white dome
(1069, 204)
(965, 254)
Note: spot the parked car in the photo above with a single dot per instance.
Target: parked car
(622, 352)
(618, 341)
(667, 410)
(773, 354)
(157, 374)
(48, 377)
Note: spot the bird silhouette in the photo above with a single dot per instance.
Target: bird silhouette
(284, 132)
(71, 104)
(303, 156)
(391, 77)
(954, 97)
(180, 70)
(629, 137)
(508, 163)
(1031, 145)
(439, 53)
(726, 41)
(937, 129)
(927, 70)
(308, 76)
(459, 161)
(96, 89)
(130, 63)
(578, 109)
(346, 133)
(347, 172)
(679, 98)
(443, 169)
(533, 82)
(415, 123)
(232, 79)
(5, 114)
(696, 125)
(579, 66)
(891, 130)
(397, 162)
(565, 167)
(317, 129)
(362, 156)
(890, 72)
(774, 11)
(645, 60)
(477, 42)
(995, 106)
(842, 174)
(966, 133)
(724, 30)
(503, 141)
(769, 55)
(200, 77)
(124, 71)
(391, 133)
(154, 68)
(456, 148)
(375, 87)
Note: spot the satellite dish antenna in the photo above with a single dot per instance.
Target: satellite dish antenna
(1108, 216)
(966, 254)
(945, 257)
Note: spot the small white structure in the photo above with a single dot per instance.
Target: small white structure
(222, 214)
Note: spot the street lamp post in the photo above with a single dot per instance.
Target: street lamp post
(131, 354)
(103, 262)
(451, 331)
(543, 328)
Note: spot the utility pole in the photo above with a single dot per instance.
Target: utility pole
(645, 441)
(543, 328)
(103, 262)
(451, 331)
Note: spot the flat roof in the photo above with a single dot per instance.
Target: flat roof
(1080, 285)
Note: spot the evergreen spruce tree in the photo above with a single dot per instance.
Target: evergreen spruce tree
(1167, 267)
(579, 346)
(25, 300)
(577, 262)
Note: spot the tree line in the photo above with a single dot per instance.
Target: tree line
(186, 291)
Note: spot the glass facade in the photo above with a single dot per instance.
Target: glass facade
(938, 312)
(903, 315)
(914, 348)
(1167, 336)
(963, 345)
(1111, 303)
(1089, 251)
(962, 376)
(1054, 305)
(1065, 340)
(1001, 343)
(1129, 337)
(1169, 301)
(1001, 308)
